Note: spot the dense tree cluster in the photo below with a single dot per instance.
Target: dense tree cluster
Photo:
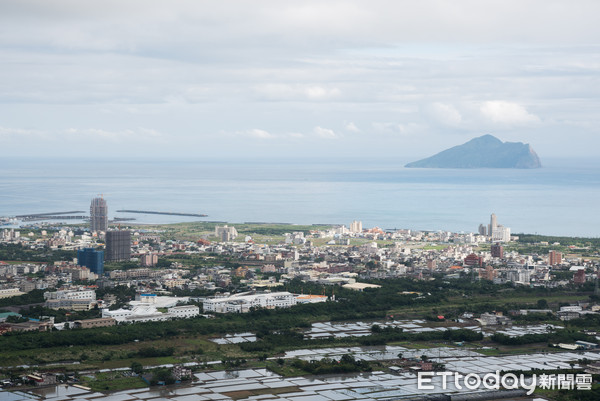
(560, 336)
(32, 297)
(346, 364)
(44, 255)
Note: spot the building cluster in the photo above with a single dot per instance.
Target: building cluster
(331, 256)
(77, 299)
(496, 232)
(147, 310)
(244, 302)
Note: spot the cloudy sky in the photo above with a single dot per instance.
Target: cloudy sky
(297, 78)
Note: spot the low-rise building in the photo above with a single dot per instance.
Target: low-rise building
(9, 292)
(241, 303)
(90, 323)
(184, 311)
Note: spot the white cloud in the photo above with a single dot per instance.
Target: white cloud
(321, 93)
(7, 132)
(396, 128)
(446, 114)
(415, 68)
(297, 92)
(325, 133)
(257, 133)
(507, 113)
(350, 126)
(82, 134)
(117, 136)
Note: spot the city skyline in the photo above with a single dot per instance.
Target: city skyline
(306, 79)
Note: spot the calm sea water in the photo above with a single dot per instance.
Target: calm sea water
(562, 198)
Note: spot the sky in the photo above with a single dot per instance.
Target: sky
(284, 78)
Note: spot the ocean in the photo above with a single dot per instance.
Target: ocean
(562, 198)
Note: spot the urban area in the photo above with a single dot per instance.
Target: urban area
(105, 309)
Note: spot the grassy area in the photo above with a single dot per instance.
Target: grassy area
(494, 300)
(193, 231)
(285, 369)
(435, 247)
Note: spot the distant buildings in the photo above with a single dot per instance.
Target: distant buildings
(296, 238)
(501, 234)
(241, 303)
(554, 258)
(91, 323)
(579, 276)
(92, 259)
(482, 230)
(148, 312)
(78, 300)
(473, 260)
(118, 245)
(356, 227)
(149, 259)
(497, 232)
(488, 274)
(493, 319)
(493, 224)
(98, 215)
(226, 233)
(497, 251)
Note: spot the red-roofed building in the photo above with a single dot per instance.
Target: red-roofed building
(473, 260)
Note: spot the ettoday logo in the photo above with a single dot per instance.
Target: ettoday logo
(508, 381)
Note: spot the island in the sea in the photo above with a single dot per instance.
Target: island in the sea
(486, 151)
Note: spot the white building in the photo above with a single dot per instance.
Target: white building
(10, 292)
(241, 303)
(226, 233)
(149, 313)
(71, 294)
(71, 304)
(356, 227)
(501, 234)
(184, 312)
(296, 238)
(310, 299)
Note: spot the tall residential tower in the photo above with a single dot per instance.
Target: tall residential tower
(118, 245)
(98, 215)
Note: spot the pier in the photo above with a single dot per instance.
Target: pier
(26, 216)
(163, 213)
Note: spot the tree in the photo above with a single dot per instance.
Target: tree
(542, 304)
(137, 367)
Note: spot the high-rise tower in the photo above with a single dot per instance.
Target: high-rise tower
(356, 227)
(493, 225)
(92, 259)
(118, 245)
(98, 215)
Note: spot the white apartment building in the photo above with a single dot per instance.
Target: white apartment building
(71, 294)
(71, 304)
(356, 227)
(501, 234)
